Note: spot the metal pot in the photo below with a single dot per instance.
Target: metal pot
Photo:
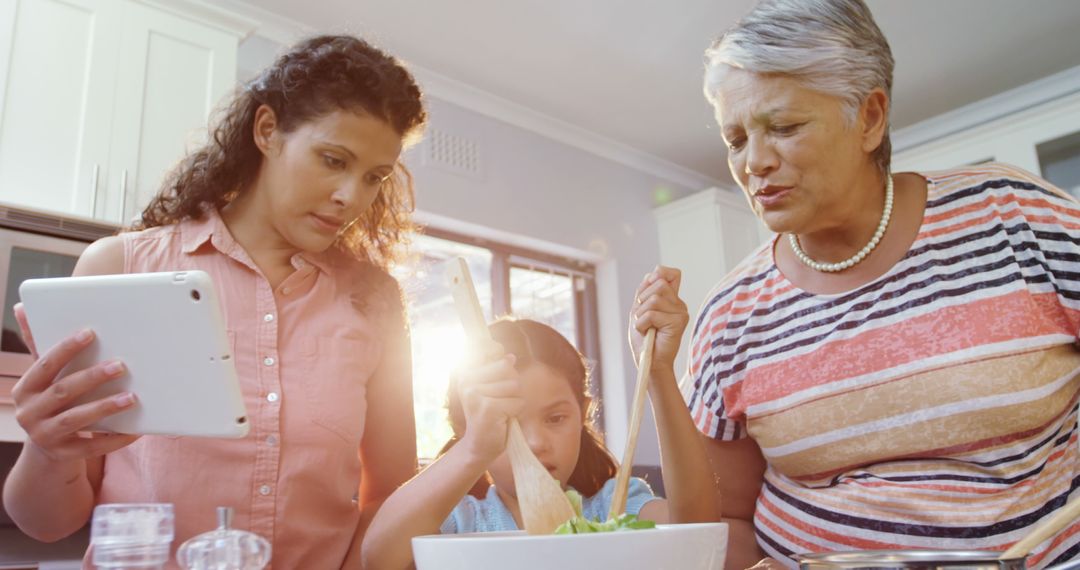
(950, 559)
(917, 560)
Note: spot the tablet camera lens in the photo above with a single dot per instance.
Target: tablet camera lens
(196, 295)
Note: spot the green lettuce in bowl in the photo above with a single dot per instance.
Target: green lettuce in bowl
(581, 525)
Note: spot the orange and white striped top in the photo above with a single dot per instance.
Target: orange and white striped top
(935, 407)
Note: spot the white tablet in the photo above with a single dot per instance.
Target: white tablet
(167, 329)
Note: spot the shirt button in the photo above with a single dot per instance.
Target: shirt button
(271, 440)
(268, 317)
(272, 396)
(264, 490)
(269, 361)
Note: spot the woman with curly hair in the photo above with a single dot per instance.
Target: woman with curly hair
(295, 207)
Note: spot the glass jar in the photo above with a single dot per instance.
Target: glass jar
(131, 535)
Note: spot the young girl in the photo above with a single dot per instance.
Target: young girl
(294, 207)
(533, 373)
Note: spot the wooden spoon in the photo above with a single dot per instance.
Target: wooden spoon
(622, 476)
(1044, 530)
(543, 503)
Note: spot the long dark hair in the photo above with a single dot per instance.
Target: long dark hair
(316, 76)
(531, 342)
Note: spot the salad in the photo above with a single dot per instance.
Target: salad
(581, 525)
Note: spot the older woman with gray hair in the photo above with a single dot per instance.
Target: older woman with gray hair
(899, 368)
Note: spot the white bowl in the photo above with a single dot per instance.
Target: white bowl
(700, 546)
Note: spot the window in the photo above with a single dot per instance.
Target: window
(544, 296)
(509, 280)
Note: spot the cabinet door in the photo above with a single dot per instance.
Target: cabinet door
(172, 73)
(57, 74)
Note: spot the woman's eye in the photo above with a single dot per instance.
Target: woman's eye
(736, 144)
(374, 179)
(786, 129)
(557, 419)
(333, 162)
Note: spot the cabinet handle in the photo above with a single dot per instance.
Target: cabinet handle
(123, 196)
(93, 190)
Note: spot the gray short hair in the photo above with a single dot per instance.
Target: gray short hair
(830, 46)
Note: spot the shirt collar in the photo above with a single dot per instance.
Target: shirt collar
(195, 233)
(322, 261)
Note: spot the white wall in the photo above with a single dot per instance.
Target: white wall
(532, 186)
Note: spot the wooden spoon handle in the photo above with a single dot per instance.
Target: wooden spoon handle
(1044, 530)
(622, 476)
(466, 302)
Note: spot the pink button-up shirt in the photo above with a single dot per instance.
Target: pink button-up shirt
(304, 354)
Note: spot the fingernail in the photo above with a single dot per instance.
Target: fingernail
(85, 335)
(114, 368)
(124, 400)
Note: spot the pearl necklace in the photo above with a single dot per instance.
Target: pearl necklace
(842, 265)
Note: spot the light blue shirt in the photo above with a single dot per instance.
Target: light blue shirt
(490, 514)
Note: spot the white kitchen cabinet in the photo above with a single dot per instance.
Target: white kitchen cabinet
(1059, 160)
(57, 75)
(705, 235)
(1043, 138)
(99, 98)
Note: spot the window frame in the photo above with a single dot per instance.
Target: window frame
(505, 256)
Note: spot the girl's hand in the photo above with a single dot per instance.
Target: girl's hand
(43, 404)
(490, 394)
(657, 305)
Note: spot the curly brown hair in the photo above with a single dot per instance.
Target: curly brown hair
(532, 342)
(317, 76)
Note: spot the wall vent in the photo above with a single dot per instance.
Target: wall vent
(452, 153)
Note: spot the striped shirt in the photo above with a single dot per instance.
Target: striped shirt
(935, 407)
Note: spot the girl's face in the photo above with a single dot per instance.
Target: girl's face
(318, 179)
(552, 423)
